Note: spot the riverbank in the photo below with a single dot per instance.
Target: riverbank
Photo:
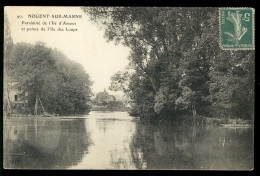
(201, 120)
(112, 109)
(178, 120)
(229, 121)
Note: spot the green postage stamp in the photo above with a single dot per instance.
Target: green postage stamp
(236, 28)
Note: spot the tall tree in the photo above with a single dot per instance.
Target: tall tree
(8, 45)
(175, 54)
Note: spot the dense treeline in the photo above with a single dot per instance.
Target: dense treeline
(179, 66)
(62, 85)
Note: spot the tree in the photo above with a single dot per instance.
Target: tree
(8, 45)
(176, 56)
(232, 84)
(62, 85)
(120, 81)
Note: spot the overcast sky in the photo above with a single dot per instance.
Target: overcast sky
(87, 46)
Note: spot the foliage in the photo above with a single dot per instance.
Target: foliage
(8, 41)
(179, 66)
(231, 88)
(115, 106)
(62, 84)
(119, 81)
(8, 45)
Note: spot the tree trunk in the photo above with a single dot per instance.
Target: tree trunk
(153, 85)
(194, 112)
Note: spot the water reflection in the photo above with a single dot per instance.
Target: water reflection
(114, 140)
(111, 134)
(168, 146)
(44, 143)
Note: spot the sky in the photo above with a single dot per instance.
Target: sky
(87, 46)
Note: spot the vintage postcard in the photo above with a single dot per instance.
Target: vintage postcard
(128, 88)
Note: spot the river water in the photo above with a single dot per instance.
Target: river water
(115, 140)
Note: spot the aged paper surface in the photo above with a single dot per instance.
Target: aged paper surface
(128, 88)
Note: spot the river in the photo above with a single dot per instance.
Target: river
(115, 140)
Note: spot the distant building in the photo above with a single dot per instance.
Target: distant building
(102, 97)
(16, 95)
(15, 98)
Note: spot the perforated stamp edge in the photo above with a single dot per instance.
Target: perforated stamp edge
(253, 27)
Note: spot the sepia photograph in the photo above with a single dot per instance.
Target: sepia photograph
(128, 88)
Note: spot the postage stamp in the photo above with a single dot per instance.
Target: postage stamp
(236, 28)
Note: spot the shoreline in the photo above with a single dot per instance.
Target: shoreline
(222, 122)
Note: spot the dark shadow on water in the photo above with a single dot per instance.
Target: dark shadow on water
(169, 146)
(44, 143)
